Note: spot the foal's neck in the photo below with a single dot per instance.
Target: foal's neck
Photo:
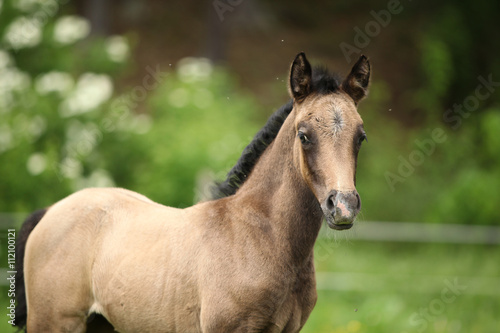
(277, 188)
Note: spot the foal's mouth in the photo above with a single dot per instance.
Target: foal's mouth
(341, 226)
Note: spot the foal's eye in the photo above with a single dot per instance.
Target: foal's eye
(303, 138)
(361, 138)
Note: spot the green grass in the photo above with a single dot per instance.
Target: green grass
(395, 287)
(380, 287)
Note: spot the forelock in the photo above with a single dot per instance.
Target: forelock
(324, 82)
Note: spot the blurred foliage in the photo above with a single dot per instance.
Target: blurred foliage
(459, 181)
(64, 126)
(62, 130)
(201, 126)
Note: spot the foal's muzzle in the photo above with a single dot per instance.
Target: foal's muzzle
(340, 209)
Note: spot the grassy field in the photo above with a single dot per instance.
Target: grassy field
(395, 288)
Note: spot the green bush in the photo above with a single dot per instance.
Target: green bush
(201, 124)
(63, 126)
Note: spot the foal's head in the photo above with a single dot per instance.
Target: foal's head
(329, 133)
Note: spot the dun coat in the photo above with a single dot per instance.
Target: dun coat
(240, 263)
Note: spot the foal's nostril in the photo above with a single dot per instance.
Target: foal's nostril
(359, 201)
(330, 203)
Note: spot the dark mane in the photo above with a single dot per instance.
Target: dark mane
(323, 82)
(239, 173)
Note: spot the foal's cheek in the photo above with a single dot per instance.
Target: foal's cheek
(311, 174)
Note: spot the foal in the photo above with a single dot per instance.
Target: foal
(241, 263)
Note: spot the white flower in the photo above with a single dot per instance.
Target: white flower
(69, 29)
(5, 59)
(36, 163)
(54, 81)
(37, 127)
(194, 69)
(117, 48)
(91, 91)
(142, 124)
(6, 101)
(24, 32)
(28, 5)
(13, 79)
(81, 138)
(70, 168)
(98, 178)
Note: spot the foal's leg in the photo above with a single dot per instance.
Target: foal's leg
(58, 289)
(57, 268)
(57, 324)
(57, 303)
(58, 298)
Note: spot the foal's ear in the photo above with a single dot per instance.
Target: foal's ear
(300, 78)
(356, 83)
